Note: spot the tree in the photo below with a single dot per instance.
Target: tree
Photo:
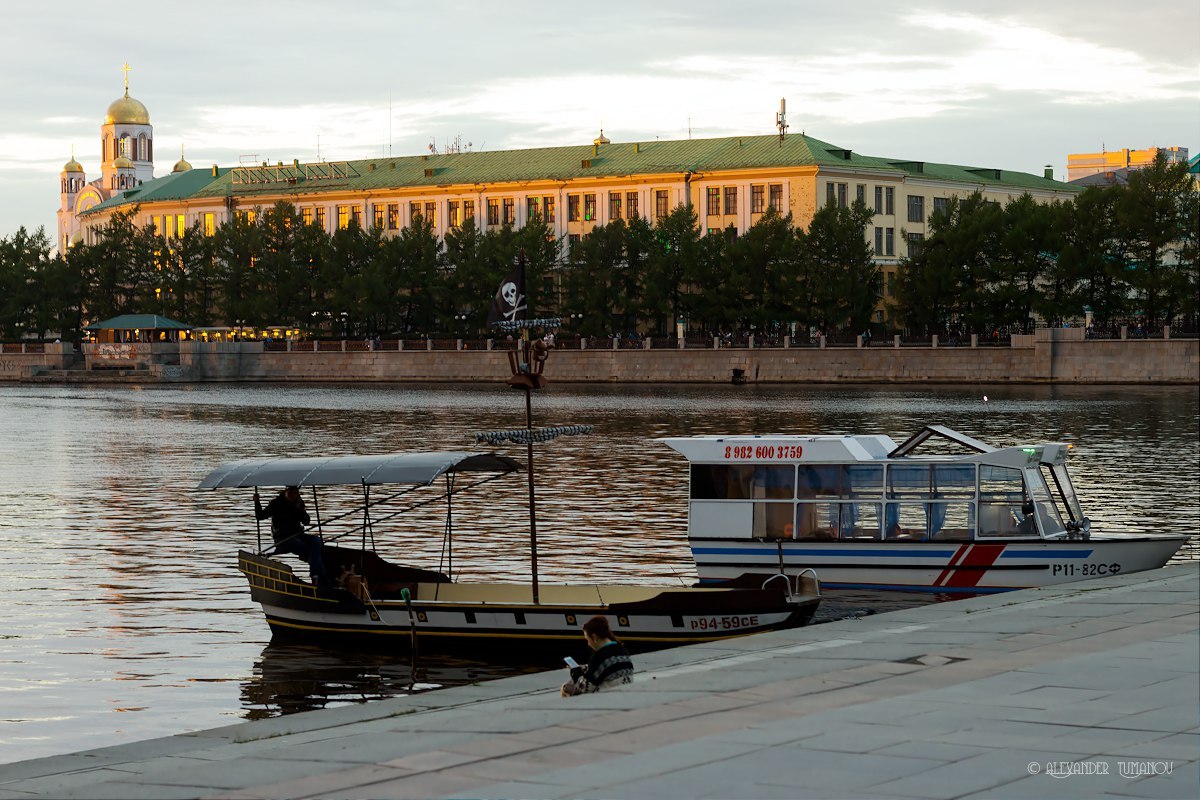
(1155, 217)
(237, 247)
(947, 276)
(846, 276)
(668, 268)
(1092, 256)
(1013, 281)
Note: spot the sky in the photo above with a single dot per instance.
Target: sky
(1015, 85)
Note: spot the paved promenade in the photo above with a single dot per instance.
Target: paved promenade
(1090, 691)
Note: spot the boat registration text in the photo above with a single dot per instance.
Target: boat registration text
(722, 623)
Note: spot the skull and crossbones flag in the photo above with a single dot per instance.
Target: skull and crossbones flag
(509, 304)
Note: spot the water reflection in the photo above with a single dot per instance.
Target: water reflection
(289, 678)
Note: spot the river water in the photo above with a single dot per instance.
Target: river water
(125, 617)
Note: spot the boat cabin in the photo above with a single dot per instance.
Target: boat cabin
(868, 488)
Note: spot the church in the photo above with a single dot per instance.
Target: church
(126, 162)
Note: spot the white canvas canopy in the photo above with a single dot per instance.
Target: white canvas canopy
(402, 468)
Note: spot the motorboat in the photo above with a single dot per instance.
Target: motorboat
(941, 512)
(412, 607)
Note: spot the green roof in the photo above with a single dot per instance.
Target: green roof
(144, 322)
(556, 164)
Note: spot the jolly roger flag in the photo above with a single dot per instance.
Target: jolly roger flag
(509, 304)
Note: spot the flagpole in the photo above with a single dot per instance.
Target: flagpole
(529, 470)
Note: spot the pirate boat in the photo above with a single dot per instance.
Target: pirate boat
(414, 608)
(961, 519)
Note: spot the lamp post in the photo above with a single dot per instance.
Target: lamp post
(240, 323)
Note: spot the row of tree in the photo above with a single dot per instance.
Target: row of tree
(1118, 251)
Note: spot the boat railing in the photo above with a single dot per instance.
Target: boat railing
(805, 583)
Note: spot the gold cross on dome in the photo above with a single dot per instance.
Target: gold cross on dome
(125, 68)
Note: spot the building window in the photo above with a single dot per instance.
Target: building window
(776, 199)
(890, 195)
(758, 199)
(878, 199)
(431, 212)
(493, 211)
(306, 215)
(414, 213)
(320, 213)
(393, 216)
(941, 205)
(889, 241)
(915, 242)
(631, 204)
(533, 207)
(210, 224)
(878, 241)
(713, 201)
(468, 210)
(377, 215)
(660, 204)
(841, 195)
(572, 208)
(730, 199)
(180, 225)
(510, 211)
(343, 213)
(356, 216)
(589, 207)
(891, 284)
(614, 206)
(916, 208)
(572, 242)
(453, 215)
(860, 193)
(830, 194)
(548, 206)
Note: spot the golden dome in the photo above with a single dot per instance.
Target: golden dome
(121, 162)
(128, 111)
(182, 164)
(72, 166)
(601, 139)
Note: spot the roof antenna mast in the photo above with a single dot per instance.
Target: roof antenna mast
(781, 119)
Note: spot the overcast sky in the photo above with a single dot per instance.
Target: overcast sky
(1016, 84)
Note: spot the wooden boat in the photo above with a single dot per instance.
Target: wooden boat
(405, 606)
(867, 513)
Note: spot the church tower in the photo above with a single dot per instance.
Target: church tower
(126, 134)
(72, 180)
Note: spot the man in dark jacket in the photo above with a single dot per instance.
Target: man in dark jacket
(288, 517)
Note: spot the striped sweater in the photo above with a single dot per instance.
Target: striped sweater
(608, 667)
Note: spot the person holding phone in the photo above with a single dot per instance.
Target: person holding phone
(608, 666)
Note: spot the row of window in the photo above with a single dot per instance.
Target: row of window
(729, 194)
(885, 200)
(853, 481)
(139, 149)
(899, 521)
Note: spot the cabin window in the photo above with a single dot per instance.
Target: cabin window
(742, 482)
(1001, 494)
(847, 521)
(1047, 511)
(921, 521)
(838, 480)
(772, 521)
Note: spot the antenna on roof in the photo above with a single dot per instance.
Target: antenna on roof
(781, 119)
(689, 127)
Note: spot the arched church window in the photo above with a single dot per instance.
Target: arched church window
(149, 149)
(142, 148)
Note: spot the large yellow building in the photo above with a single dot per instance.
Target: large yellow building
(730, 182)
(1082, 165)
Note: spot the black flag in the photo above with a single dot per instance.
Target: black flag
(509, 304)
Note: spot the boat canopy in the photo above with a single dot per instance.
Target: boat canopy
(410, 468)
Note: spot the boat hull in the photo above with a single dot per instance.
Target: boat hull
(298, 610)
(955, 568)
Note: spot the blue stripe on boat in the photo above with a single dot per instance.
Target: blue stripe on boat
(1046, 553)
(765, 552)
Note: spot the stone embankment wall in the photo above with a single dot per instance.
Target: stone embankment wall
(1048, 356)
